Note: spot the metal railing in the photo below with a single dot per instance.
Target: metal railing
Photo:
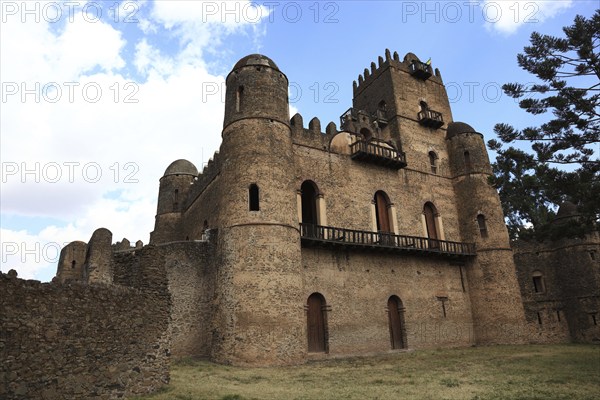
(329, 235)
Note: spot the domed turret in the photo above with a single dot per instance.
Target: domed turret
(258, 205)
(567, 212)
(181, 167)
(174, 187)
(492, 274)
(256, 88)
(457, 128)
(467, 150)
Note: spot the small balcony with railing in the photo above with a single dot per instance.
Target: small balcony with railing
(377, 153)
(363, 117)
(430, 118)
(332, 237)
(420, 70)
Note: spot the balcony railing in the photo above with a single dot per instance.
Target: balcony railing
(352, 114)
(420, 70)
(377, 154)
(430, 118)
(317, 235)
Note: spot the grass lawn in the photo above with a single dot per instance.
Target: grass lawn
(541, 372)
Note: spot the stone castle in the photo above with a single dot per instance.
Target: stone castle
(295, 244)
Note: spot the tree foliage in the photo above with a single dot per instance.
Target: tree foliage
(530, 184)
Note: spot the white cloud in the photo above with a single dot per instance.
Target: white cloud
(231, 14)
(507, 16)
(100, 121)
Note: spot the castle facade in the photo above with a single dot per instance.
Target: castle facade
(382, 235)
(297, 243)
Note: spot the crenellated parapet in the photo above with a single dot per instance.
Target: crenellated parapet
(125, 245)
(411, 64)
(208, 174)
(312, 136)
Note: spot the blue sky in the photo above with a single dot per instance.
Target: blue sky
(99, 97)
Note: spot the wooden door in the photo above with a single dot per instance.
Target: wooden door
(381, 209)
(316, 324)
(432, 233)
(394, 310)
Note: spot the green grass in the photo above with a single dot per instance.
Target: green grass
(532, 372)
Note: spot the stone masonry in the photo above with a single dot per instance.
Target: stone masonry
(297, 243)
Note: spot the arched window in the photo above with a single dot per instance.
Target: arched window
(382, 216)
(316, 323)
(238, 98)
(433, 160)
(396, 320)
(309, 194)
(253, 198)
(467, 160)
(424, 106)
(382, 109)
(538, 282)
(482, 226)
(430, 213)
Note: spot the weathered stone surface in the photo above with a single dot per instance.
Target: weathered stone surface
(567, 305)
(228, 276)
(75, 340)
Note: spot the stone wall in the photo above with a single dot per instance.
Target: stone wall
(82, 341)
(357, 286)
(567, 306)
(191, 273)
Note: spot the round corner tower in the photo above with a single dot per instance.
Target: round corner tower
(174, 186)
(260, 317)
(493, 286)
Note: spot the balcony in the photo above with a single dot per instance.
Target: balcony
(327, 236)
(364, 118)
(430, 119)
(375, 153)
(420, 70)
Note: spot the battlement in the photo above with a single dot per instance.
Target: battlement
(411, 64)
(204, 178)
(313, 136)
(125, 245)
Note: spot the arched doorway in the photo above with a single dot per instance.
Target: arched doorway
(396, 318)
(316, 324)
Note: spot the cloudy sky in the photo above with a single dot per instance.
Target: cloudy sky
(99, 97)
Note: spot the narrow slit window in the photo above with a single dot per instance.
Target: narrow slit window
(238, 98)
(253, 198)
(482, 226)
(175, 199)
(467, 160)
(443, 301)
(539, 318)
